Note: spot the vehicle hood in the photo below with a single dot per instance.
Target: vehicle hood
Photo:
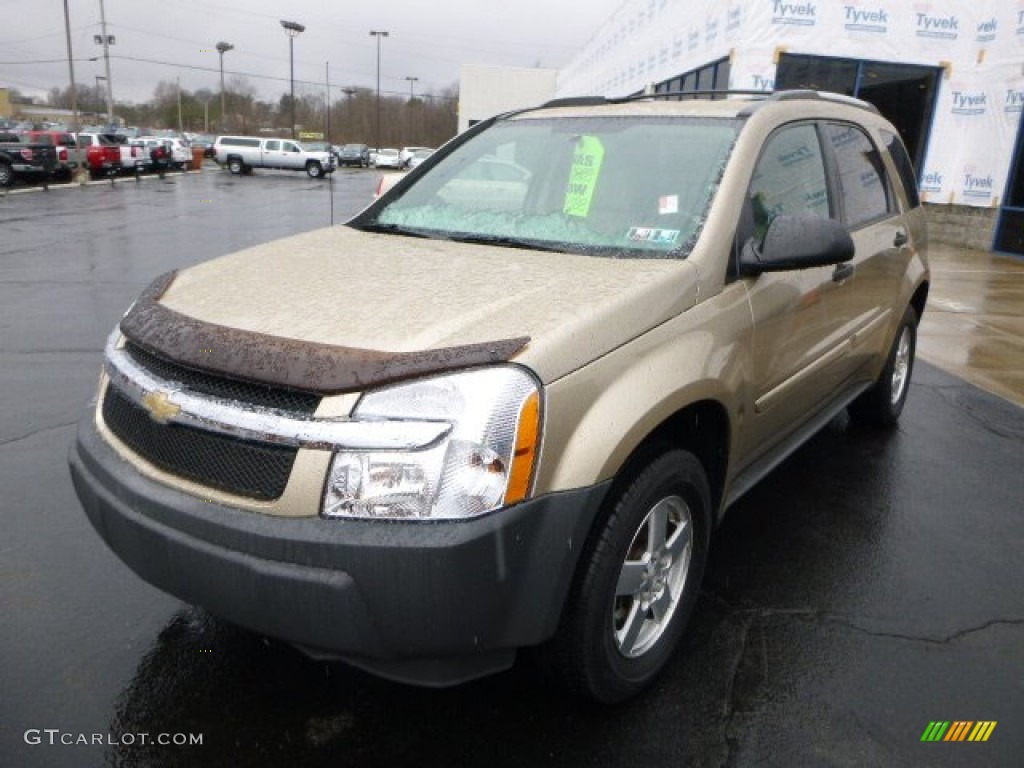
(389, 293)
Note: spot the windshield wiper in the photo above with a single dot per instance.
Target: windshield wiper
(395, 229)
(510, 242)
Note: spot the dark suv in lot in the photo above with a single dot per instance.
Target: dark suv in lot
(354, 154)
(508, 403)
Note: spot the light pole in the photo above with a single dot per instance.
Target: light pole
(106, 41)
(378, 33)
(222, 48)
(412, 82)
(292, 29)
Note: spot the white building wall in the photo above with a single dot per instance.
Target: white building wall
(488, 91)
(979, 45)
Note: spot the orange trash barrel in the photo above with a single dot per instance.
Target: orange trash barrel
(197, 159)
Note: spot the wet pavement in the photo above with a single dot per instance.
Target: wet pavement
(869, 586)
(974, 325)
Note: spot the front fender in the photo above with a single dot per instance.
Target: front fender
(597, 416)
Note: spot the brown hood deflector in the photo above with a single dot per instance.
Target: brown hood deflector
(283, 362)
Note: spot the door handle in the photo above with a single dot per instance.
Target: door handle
(842, 272)
(901, 239)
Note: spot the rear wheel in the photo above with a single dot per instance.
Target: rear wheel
(235, 165)
(638, 583)
(882, 405)
(6, 175)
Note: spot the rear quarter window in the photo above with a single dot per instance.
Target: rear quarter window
(904, 167)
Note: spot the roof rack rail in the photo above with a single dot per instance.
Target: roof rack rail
(800, 94)
(574, 101)
(692, 94)
(795, 94)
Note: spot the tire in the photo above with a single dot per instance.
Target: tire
(882, 405)
(236, 166)
(313, 170)
(637, 582)
(6, 175)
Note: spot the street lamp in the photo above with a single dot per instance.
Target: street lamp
(412, 82)
(292, 29)
(378, 33)
(222, 48)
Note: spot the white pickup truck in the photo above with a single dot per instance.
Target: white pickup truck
(243, 153)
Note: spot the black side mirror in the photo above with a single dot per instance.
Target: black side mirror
(797, 242)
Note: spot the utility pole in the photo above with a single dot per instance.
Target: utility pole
(71, 72)
(98, 104)
(106, 41)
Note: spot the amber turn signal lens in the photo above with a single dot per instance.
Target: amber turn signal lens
(525, 455)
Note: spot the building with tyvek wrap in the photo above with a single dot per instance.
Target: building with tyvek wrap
(948, 73)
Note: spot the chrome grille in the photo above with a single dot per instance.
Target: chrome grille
(243, 467)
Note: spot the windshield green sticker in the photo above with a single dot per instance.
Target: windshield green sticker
(586, 168)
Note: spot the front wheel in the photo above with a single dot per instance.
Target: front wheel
(6, 175)
(638, 582)
(882, 405)
(314, 170)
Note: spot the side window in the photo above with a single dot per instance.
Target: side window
(789, 178)
(289, 147)
(273, 146)
(863, 184)
(904, 167)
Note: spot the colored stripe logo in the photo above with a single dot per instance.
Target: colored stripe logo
(958, 730)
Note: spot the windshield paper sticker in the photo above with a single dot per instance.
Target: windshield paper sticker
(668, 204)
(586, 167)
(664, 237)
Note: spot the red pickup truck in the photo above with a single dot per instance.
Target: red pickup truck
(103, 154)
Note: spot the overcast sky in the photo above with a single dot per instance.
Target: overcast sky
(168, 39)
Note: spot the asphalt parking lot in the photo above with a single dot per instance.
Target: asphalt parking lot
(868, 587)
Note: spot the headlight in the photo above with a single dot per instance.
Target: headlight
(485, 461)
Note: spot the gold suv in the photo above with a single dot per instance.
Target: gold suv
(506, 405)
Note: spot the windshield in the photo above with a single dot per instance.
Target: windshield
(611, 186)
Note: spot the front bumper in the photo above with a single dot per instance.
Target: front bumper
(429, 603)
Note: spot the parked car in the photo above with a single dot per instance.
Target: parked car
(20, 159)
(388, 158)
(243, 153)
(106, 154)
(406, 154)
(418, 157)
(67, 157)
(463, 425)
(180, 155)
(354, 154)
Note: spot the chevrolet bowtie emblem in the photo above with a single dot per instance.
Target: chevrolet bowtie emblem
(160, 407)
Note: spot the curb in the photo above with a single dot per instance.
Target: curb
(113, 180)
